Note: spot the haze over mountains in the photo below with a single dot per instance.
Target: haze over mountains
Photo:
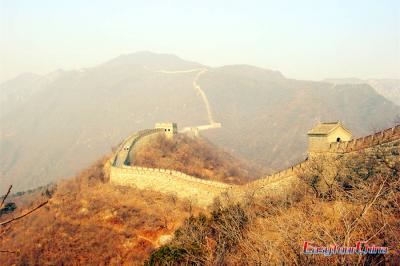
(389, 88)
(54, 125)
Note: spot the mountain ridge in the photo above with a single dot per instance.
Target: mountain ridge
(80, 115)
(389, 88)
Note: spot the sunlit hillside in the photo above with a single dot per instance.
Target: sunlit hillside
(88, 221)
(196, 157)
(339, 202)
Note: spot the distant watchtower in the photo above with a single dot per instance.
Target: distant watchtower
(170, 129)
(323, 134)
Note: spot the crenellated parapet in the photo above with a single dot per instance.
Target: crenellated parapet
(203, 192)
(122, 155)
(277, 182)
(123, 172)
(378, 138)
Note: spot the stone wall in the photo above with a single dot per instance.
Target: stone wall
(274, 183)
(378, 138)
(199, 191)
(203, 192)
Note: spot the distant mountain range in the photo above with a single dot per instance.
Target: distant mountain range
(54, 125)
(389, 88)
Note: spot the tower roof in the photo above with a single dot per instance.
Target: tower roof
(324, 128)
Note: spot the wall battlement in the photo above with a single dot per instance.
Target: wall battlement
(203, 192)
(381, 137)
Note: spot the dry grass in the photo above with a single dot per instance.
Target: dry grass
(271, 231)
(90, 222)
(196, 157)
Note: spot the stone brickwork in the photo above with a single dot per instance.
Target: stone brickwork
(200, 192)
(323, 134)
(203, 192)
(378, 138)
(170, 129)
(275, 183)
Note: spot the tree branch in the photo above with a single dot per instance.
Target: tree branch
(363, 212)
(8, 251)
(5, 196)
(25, 214)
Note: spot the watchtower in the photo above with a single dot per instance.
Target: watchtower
(320, 136)
(170, 129)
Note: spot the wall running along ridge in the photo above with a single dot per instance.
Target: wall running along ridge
(203, 192)
(378, 138)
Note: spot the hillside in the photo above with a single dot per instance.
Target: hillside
(339, 202)
(54, 128)
(389, 88)
(196, 157)
(90, 222)
(105, 223)
(16, 92)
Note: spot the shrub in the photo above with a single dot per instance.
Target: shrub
(167, 255)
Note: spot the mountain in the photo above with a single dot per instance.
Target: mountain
(18, 91)
(70, 118)
(389, 88)
(150, 61)
(345, 81)
(266, 118)
(81, 114)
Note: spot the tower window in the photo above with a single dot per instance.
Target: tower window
(338, 140)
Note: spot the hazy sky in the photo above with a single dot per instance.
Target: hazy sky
(303, 39)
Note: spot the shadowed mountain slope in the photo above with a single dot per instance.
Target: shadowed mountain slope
(266, 118)
(389, 88)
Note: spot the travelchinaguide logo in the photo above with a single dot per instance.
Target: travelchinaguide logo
(361, 247)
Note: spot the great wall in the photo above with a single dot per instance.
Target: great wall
(380, 137)
(203, 192)
(199, 72)
(123, 172)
